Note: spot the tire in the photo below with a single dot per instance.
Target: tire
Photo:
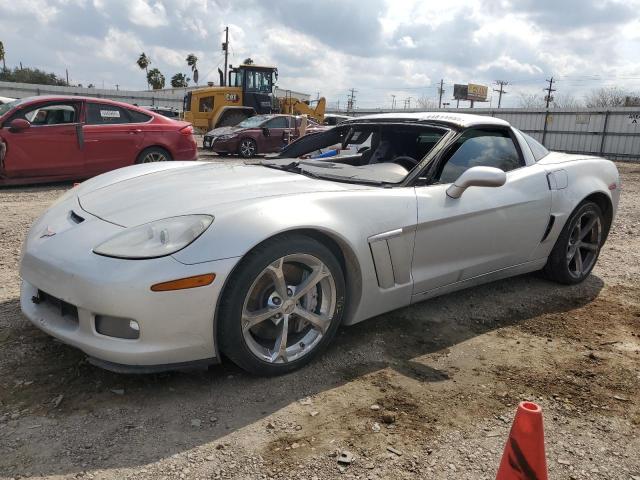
(153, 154)
(232, 119)
(247, 148)
(578, 246)
(252, 342)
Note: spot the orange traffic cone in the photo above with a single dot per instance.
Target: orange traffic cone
(523, 457)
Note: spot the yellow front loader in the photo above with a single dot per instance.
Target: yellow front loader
(249, 92)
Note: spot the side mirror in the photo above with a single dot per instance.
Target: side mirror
(19, 124)
(266, 132)
(477, 177)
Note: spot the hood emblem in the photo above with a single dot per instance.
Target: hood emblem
(48, 232)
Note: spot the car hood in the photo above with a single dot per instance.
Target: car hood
(189, 188)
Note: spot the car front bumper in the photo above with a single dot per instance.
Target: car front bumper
(220, 146)
(175, 327)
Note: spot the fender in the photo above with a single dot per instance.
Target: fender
(240, 226)
(571, 180)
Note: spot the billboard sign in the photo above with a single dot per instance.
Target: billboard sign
(477, 92)
(460, 91)
(471, 91)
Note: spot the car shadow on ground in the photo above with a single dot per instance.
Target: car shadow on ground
(105, 420)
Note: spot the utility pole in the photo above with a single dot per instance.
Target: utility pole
(549, 89)
(351, 101)
(407, 103)
(501, 92)
(440, 92)
(117, 86)
(225, 49)
(393, 102)
(67, 72)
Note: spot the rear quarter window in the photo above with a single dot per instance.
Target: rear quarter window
(138, 117)
(538, 150)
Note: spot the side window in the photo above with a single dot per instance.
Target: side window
(278, 122)
(138, 117)
(103, 114)
(205, 104)
(487, 148)
(539, 151)
(52, 114)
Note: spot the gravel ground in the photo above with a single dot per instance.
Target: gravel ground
(443, 377)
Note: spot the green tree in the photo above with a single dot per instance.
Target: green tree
(248, 61)
(144, 62)
(30, 75)
(192, 61)
(2, 56)
(180, 80)
(155, 79)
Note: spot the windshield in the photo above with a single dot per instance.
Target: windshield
(362, 153)
(251, 122)
(4, 108)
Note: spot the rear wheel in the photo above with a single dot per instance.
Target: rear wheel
(247, 148)
(282, 306)
(153, 154)
(578, 246)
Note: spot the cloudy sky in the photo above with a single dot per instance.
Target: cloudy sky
(379, 47)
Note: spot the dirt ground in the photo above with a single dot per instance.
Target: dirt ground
(447, 374)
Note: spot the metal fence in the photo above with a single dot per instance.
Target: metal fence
(613, 133)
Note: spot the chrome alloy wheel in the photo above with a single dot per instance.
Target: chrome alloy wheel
(584, 244)
(154, 157)
(247, 148)
(288, 308)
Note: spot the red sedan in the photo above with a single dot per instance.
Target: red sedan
(54, 138)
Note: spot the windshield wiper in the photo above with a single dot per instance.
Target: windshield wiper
(293, 167)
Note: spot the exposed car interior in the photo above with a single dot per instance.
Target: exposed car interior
(384, 153)
(52, 115)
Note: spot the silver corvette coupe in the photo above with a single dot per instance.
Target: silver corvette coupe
(163, 266)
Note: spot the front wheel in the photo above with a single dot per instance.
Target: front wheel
(282, 306)
(578, 246)
(247, 148)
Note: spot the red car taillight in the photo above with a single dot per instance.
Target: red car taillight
(188, 130)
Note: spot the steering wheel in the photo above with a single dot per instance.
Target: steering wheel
(406, 161)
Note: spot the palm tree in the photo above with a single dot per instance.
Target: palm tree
(4, 65)
(155, 79)
(180, 80)
(192, 61)
(144, 62)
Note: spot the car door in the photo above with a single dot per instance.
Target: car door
(111, 138)
(276, 130)
(49, 146)
(487, 228)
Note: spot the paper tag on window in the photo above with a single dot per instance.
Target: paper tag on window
(110, 113)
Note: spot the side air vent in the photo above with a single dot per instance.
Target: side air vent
(552, 220)
(75, 218)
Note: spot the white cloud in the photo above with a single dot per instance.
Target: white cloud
(147, 14)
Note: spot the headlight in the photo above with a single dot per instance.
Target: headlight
(155, 239)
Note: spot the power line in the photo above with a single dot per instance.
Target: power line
(502, 84)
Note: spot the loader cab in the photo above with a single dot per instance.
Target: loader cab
(256, 84)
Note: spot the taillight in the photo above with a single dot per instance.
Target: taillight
(188, 130)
